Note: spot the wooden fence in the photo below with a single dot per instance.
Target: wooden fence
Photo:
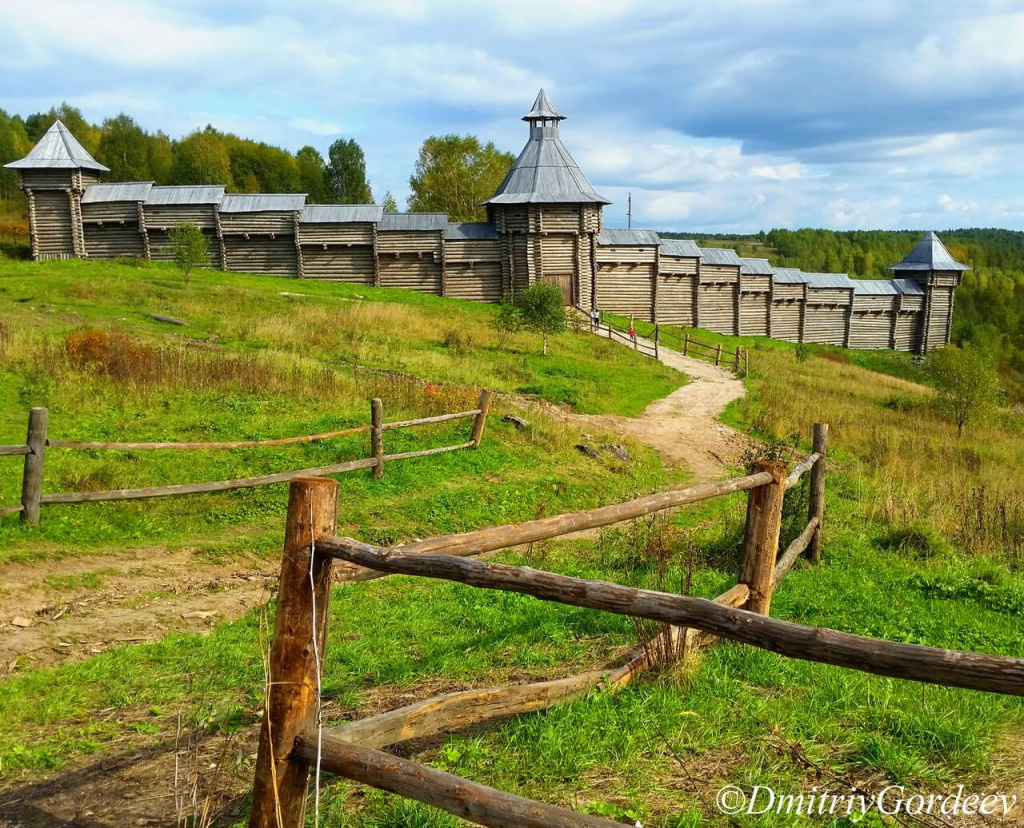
(37, 443)
(292, 742)
(650, 344)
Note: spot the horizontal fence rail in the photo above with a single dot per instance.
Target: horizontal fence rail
(934, 665)
(37, 443)
(283, 441)
(454, 794)
(495, 538)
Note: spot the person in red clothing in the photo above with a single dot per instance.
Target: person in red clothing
(632, 331)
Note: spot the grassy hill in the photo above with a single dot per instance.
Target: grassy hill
(923, 544)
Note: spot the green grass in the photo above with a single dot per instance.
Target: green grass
(895, 568)
(254, 364)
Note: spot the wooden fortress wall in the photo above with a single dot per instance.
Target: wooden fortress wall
(522, 244)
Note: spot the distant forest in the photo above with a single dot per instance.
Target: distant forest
(989, 310)
(451, 174)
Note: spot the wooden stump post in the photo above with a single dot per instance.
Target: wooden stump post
(484, 404)
(816, 508)
(657, 331)
(279, 787)
(377, 435)
(736, 364)
(746, 362)
(718, 354)
(761, 538)
(32, 477)
(686, 344)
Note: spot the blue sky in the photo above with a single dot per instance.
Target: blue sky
(725, 116)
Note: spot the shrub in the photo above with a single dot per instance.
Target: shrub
(188, 247)
(507, 320)
(968, 384)
(458, 340)
(803, 352)
(542, 311)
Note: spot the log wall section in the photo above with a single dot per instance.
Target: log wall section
(536, 242)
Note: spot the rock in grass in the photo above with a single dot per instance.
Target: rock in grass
(518, 422)
(589, 451)
(170, 320)
(20, 621)
(619, 451)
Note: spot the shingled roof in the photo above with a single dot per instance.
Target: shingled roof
(930, 254)
(544, 172)
(543, 110)
(57, 149)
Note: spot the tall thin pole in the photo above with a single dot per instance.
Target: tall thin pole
(629, 210)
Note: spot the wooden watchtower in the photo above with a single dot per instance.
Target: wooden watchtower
(939, 275)
(547, 215)
(53, 176)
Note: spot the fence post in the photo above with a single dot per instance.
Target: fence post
(484, 404)
(686, 344)
(816, 508)
(736, 365)
(32, 478)
(290, 706)
(761, 536)
(746, 362)
(657, 330)
(377, 435)
(718, 354)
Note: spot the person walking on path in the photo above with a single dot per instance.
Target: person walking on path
(595, 319)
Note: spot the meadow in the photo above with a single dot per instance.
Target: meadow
(922, 545)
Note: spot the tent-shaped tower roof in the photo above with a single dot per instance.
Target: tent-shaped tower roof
(544, 172)
(543, 110)
(57, 149)
(930, 254)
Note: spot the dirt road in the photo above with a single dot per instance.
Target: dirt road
(683, 427)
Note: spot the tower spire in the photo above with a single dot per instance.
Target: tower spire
(543, 113)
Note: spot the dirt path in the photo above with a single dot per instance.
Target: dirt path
(52, 614)
(683, 427)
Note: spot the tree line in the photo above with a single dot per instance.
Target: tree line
(452, 173)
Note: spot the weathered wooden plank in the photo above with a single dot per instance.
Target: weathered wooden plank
(440, 418)
(816, 506)
(35, 457)
(504, 537)
(934, 665)
(296, 655)
(11, 451)
(470, 801)
(283, 441)
(761, 538)
(204, 488)
(794, 551)
(794, 476)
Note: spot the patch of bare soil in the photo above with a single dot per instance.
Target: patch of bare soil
(55, 613)
(683, 427)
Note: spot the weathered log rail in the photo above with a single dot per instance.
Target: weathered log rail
(649, 344)
(37, 443)
(739, 614)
